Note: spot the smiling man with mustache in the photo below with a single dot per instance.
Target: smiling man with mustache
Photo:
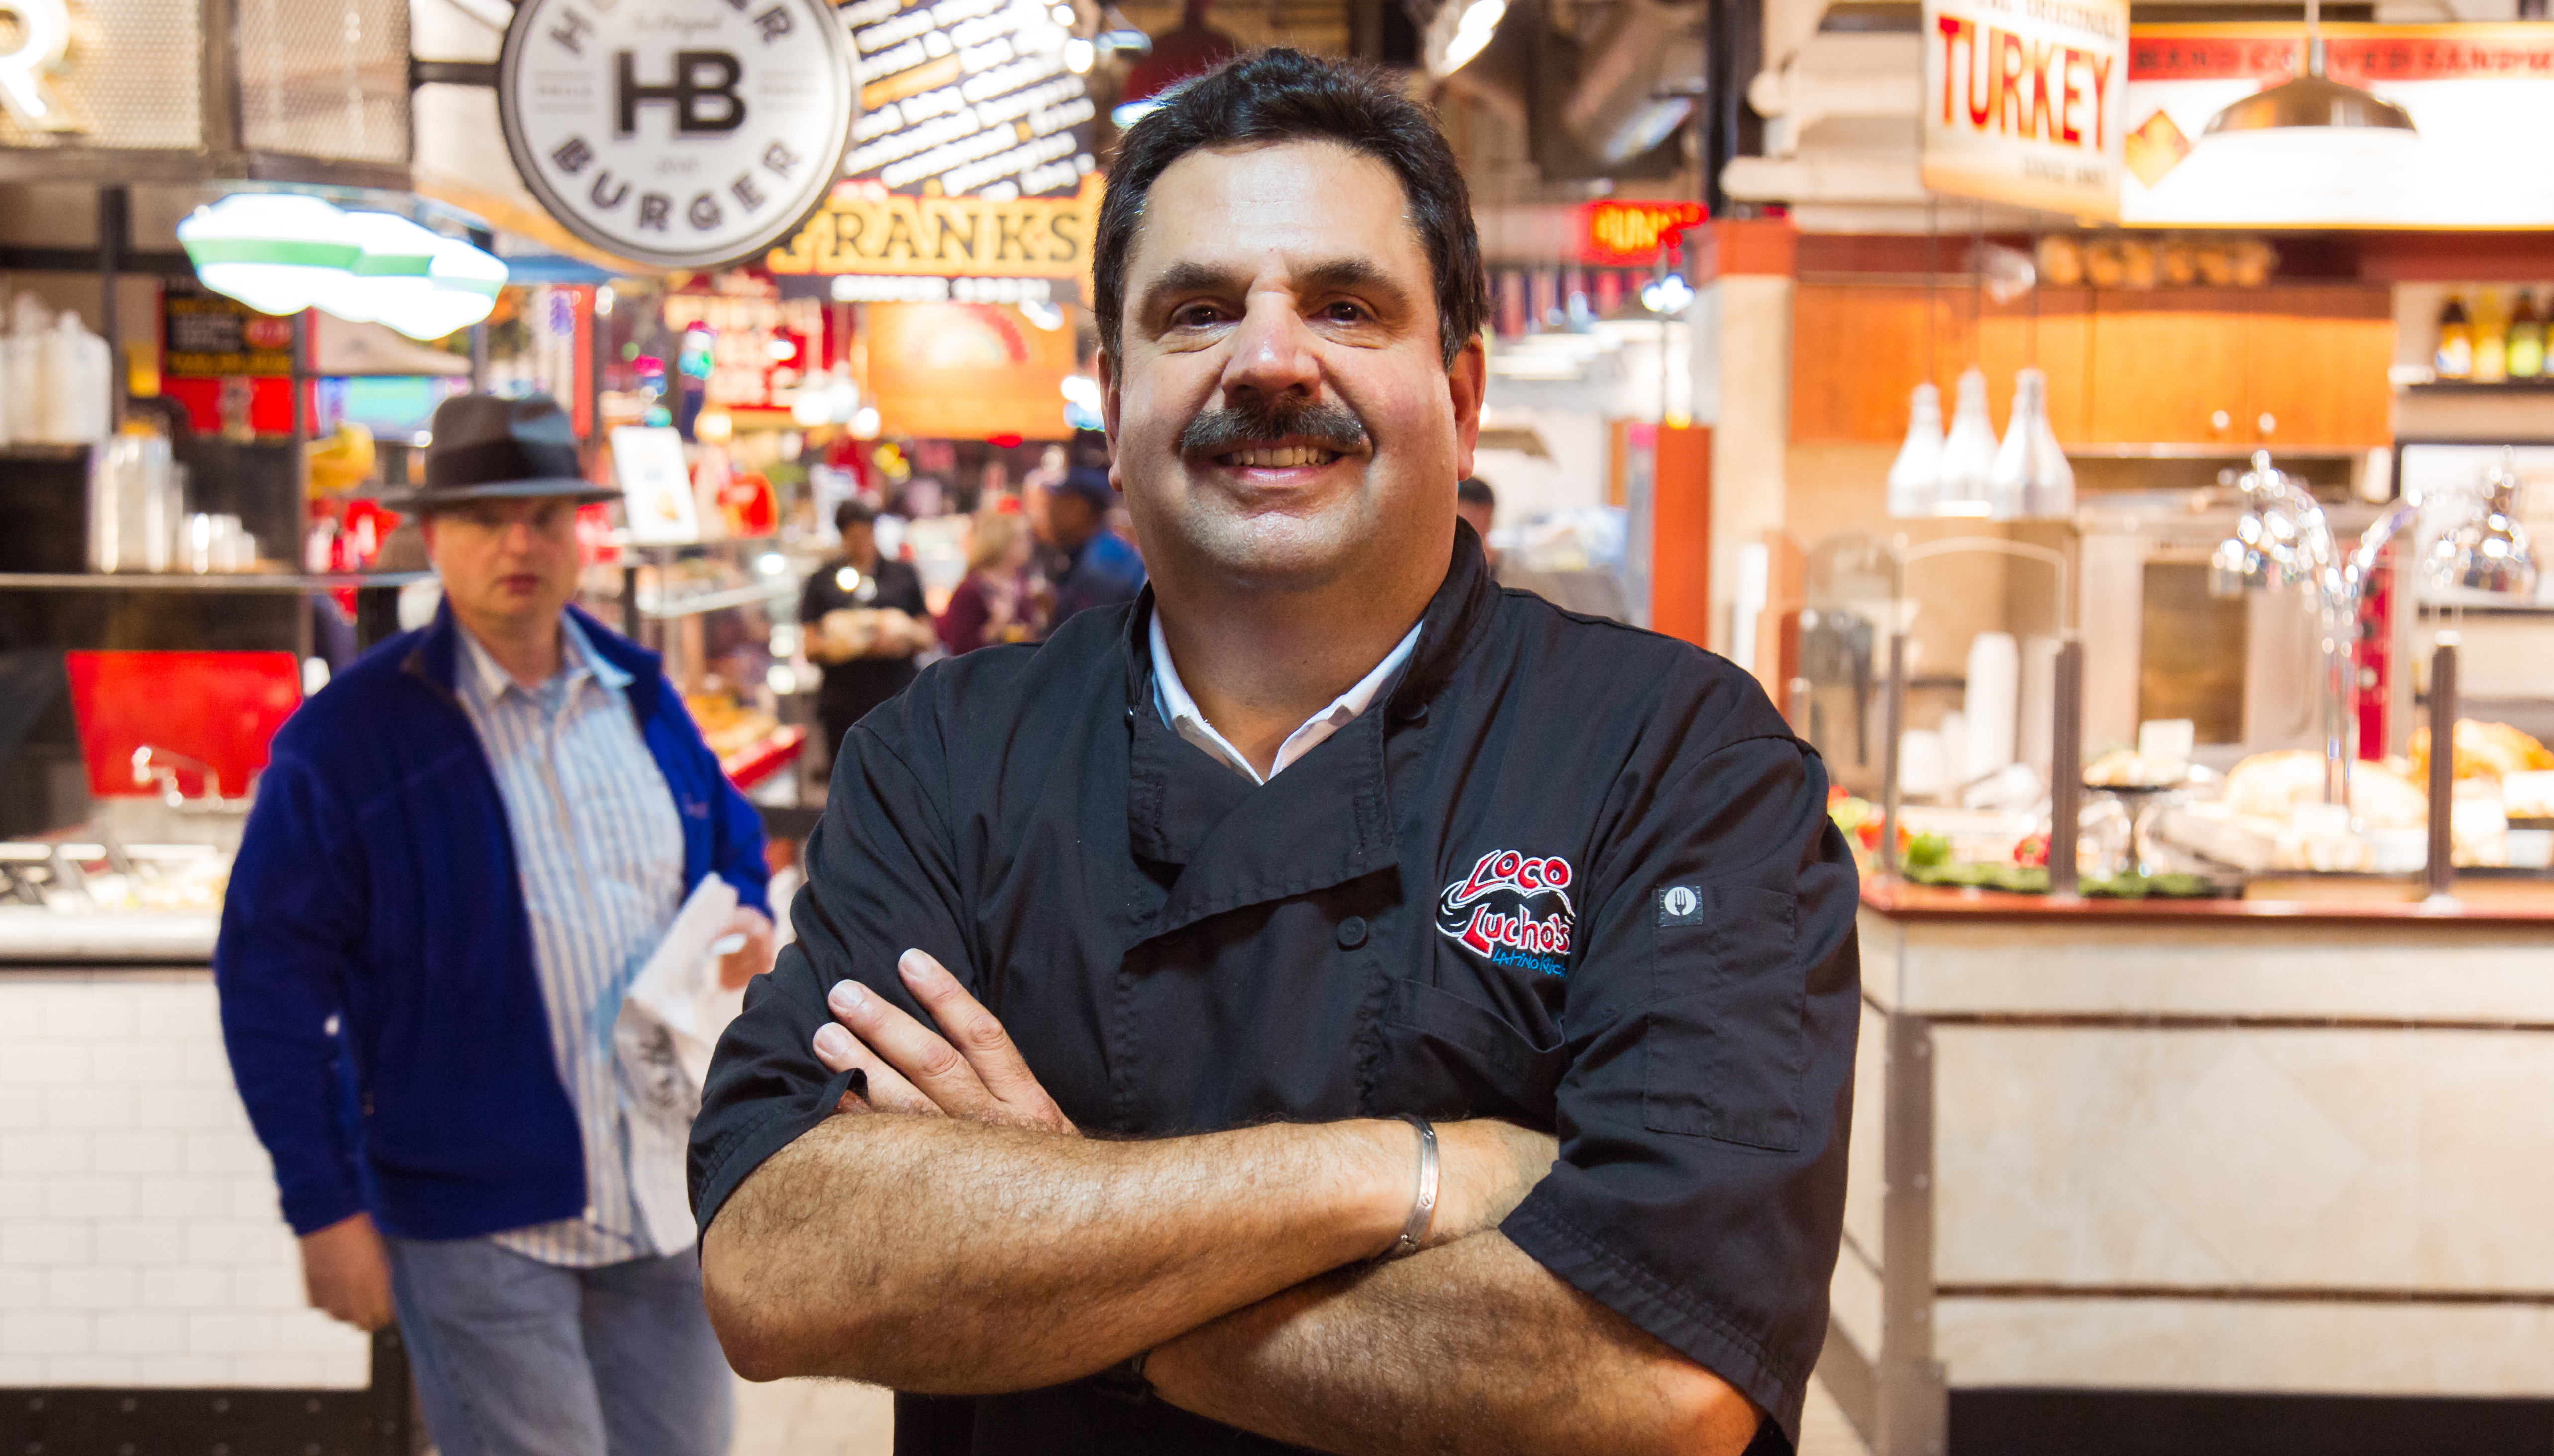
(1331, 1003)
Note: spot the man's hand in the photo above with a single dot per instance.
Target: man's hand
(751, 958)
(974, 1072)
(347, 1274)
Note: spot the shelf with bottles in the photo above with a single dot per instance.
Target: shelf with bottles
(2540, 386)
(2489, 335)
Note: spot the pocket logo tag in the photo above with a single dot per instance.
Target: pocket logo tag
(1681, 905)
(1513, 909)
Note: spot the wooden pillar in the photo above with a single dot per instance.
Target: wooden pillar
(1680, 536)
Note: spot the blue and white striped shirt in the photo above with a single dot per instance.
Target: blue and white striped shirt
(600, 848)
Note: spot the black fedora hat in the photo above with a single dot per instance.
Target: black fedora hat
(491, 449)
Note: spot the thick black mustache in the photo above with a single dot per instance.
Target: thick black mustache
(1257, 421)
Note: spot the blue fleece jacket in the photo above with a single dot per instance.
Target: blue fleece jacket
(375, 934)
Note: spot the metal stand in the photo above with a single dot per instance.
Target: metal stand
(2441, 874)
(2066, 771)
(114, 240)
(1894, 714)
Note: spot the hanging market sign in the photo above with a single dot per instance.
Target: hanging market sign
(2022, 100)
(972, 155)
(678, 133)
(866, 229)
(2475, 93)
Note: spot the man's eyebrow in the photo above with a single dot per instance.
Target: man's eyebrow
(1350, 274)
(1190, 278)
(1357, 275)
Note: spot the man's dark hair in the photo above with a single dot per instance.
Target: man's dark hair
(850, 513)
(1475, 491)
(1287, 96)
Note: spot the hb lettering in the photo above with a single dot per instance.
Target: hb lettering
(703, 93)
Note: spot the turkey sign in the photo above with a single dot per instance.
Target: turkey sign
(2022, 100)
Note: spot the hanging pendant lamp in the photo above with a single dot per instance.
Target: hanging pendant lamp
(2031, 477)
(2313, 106)
(1914, 477)
(1968, 451)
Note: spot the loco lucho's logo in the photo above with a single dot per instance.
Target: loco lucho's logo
(1513, 909)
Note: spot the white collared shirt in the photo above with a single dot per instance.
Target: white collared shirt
(1171, 699)
(599, 849)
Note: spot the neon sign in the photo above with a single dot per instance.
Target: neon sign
(1635, 229)
(44, 37)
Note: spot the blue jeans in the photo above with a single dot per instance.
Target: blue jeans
(514, 1357)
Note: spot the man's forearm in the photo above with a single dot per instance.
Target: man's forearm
(945, 1257)
(1473, 1347)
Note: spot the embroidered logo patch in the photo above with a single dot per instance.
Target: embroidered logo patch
(1512, 910)
(1680, 905)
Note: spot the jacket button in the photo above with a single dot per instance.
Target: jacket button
(1415, 713)
(1352, 932)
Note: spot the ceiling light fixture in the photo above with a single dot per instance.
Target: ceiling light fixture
(1459, 30)
(2312, 107)
(281, 253)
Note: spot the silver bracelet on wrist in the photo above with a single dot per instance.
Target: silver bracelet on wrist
(1423, 1206)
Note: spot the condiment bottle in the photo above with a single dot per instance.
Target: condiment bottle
(2455, 357)
(2526, 339)
(2491, 343)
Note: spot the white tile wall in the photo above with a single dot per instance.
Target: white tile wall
(139, 1243)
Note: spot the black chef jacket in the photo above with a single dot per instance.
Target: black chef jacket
(1567, 873)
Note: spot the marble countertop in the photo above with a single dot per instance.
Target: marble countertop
(2480, 902)
(138, 937)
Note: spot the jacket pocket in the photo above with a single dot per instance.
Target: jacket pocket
(1450, 1058)
(1721, 1050)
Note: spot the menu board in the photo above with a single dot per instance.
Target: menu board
(2022, 100)
(655, 486)
(971, 157)
(209, 336)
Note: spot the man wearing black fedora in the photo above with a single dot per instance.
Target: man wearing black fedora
(462, 852)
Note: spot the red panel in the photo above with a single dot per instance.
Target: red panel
(1680, 536)
(222, 708)
(270, 405)
(750, 767)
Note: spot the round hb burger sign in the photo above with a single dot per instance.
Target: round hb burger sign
(679, 133)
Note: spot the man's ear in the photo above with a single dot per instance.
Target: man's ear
(1467, 379)
(426, 529)
(1106, 368)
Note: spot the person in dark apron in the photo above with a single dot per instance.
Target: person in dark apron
(1328, 1003)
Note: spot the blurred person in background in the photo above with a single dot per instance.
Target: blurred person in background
(997, 602)
(463, 850)
(1092, 565)
(865, 621)
(1476, 503)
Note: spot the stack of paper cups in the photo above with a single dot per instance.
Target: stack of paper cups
(1994, 704)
